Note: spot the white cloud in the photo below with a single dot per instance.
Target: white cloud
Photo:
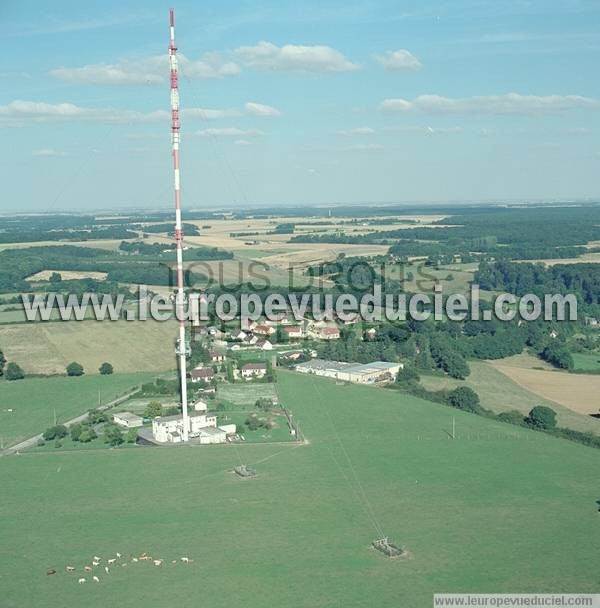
(424, 130)
(357, 131)
(19, 113)
(149, 70)
(47, 152)
(511, 103)
(242, 142)
(209, 113)
(294, 57)
(399, 60)
(229, 132)
(259, 109)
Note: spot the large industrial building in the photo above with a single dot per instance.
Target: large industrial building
(202, 426)
(362, 373)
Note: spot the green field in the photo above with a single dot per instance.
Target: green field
(247, 394)
(499, 393)
(34, 401)
(499, 509)
(586, 362)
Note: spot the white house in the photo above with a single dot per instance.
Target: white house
(293, 332)
(202, 426)
(200, 406)
(254, 370)
(128, 420)
(264, 345)
(202, 374)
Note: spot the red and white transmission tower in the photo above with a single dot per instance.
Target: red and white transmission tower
(182, 346)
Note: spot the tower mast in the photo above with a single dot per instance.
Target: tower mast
(182, 348)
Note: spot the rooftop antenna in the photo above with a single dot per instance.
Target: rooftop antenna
(182, 349)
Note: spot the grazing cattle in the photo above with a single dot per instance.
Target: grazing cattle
(95, 563)
(123, 565)
(185, 560)
(112, 561)
(70, 568)
(174, 561)
(106, 569)
(118, 555)
(96, 558)
(87, 568)
(158, 562)
(95, 579)
(134, 559)
(81, 581)
(50, 571)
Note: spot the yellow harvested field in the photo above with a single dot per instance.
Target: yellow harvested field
(109, 244)
(68, 275)
(131, 346)
(578, 392)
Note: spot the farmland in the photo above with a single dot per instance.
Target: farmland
(35, 401)
(500, 393)
(472, 516)
(131, 346)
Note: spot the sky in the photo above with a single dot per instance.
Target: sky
(312, 102)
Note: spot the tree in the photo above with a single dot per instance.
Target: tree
(87, 435)
(541, 418)
(14, 372)
(132, 435)
(113, 435)
(96, 416)
(153, 409)
(106, 369)
(407, 375)
(464, 398)
(55, 432)
(55, 277)
(2, 362)
(512, 417)
(75, 369)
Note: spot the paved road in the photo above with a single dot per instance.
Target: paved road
(28, 443)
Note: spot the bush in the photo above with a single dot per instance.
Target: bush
(96, 416)
(14, 372)
(75, 369)
(132, 435)
(541, 418)
(55, 432)
(88, 434)
(153, 409)
(464, 398)
(106, 369)
(113, 435)
(512, 417)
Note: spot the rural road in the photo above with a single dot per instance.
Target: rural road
(27, 443)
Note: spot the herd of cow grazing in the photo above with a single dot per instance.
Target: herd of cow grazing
(112, 562)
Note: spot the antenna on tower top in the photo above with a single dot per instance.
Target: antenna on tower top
(182, 346)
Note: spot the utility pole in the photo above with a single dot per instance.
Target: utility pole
(182, 349)
(453, 428)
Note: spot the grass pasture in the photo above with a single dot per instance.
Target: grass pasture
(131, 346)
(587, 362)
(246, 395)
(34, 401)
(499, 509)
(499, 393)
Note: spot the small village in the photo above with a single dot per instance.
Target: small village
(225, 357)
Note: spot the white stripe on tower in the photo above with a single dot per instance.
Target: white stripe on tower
(178, 228)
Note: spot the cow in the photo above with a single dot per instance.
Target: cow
(70, 568)
(96, 558)
(81, 581)
(87, 568)
(158, 562)
(185, 560)
(111, 561)
(134, 559)
(95, 563)
(106, 569)
(50, 571)
(118, 555)
(95, 579)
